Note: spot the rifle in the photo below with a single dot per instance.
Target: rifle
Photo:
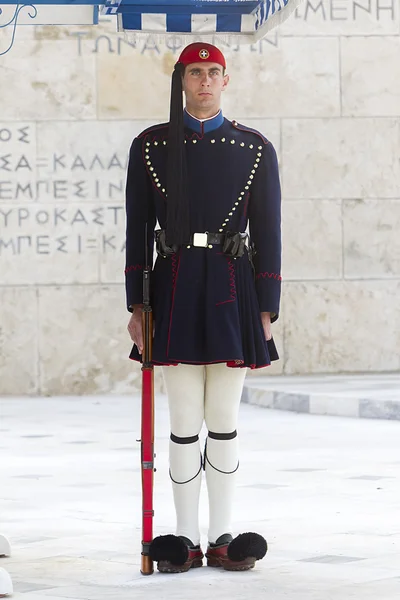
(147, 427)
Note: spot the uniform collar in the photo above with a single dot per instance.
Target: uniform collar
(204, 125)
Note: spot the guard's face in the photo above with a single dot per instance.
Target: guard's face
(203, 84)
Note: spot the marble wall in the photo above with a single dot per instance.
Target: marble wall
(324, 88)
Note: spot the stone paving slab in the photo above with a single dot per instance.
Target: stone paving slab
(324, 492)
(365, 396)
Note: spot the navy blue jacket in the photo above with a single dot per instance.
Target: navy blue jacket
(207, 305)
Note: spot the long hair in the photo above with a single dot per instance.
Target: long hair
(178, 217)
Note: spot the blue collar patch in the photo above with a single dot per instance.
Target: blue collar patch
(203, 127)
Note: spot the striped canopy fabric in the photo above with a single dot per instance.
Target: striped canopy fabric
(242, 20)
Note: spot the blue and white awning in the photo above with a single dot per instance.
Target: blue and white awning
(236, 20)
(246, 20)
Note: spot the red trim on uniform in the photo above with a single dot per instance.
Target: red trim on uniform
(154, 128)
(249, 130)
(233, 364)
(158, 138)
(213, 362)
(159, 364)
(269, 275)
(194, 135)
(133, 268)
(232, 282)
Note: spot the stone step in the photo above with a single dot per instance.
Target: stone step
(361, 396)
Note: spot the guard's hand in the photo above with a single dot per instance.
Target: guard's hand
(266, 323)
(135, 328)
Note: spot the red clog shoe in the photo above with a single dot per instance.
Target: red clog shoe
(239, 554)
(175, 554)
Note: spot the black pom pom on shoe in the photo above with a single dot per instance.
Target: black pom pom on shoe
(247, 545)
(169, 547)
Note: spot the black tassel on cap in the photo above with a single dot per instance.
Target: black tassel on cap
(178, 219)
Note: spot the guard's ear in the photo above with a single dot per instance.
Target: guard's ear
(226, 81)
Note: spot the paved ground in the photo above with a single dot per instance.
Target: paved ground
(363, 396)
(324, 491)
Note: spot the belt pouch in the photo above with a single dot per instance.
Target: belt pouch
(161, 245)
(234, 244)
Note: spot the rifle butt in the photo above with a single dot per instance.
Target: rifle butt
(147, 567)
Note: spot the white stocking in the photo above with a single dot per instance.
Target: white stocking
(185, 389)
(197, 393)
(224, 387)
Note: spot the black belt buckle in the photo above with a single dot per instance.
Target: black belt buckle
(161, 245)
(234, 244)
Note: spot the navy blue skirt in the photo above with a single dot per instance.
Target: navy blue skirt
(206, 311)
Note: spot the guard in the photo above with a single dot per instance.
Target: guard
(212, 187)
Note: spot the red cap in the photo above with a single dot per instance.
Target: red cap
(201, 52)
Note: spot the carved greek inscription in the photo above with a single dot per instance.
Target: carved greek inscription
(346, 10)
(66, 244)
(59, 203)
(116, 45)
(15, 221)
